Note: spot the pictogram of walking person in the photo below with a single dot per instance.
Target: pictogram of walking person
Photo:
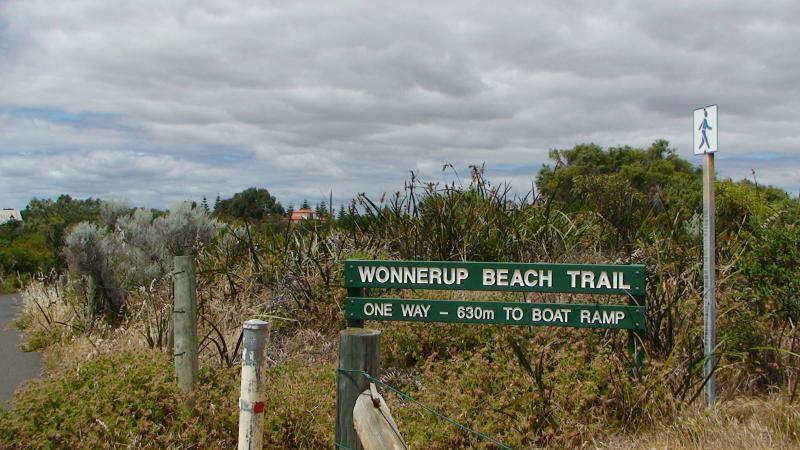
(703, 127)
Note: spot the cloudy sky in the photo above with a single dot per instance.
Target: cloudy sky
(157, 101)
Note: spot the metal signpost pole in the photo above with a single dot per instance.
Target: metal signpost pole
(706, 131)
(709, 291)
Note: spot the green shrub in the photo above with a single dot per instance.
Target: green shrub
(300, 406)
(539, 388)
(408, 344)
(129, 399)
(122, 399)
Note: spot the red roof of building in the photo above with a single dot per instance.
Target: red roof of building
(302, 214)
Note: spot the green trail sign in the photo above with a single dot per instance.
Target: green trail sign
(601, 279)
(493, 276)
(358, 348)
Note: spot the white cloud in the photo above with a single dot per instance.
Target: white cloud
(156, 102)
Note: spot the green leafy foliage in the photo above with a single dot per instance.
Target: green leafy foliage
(52, 218)
(633, 190)
(651, 170)
(126, 399)
(26, 254)
(34, 244)
(252, 204)
(773, 265)
(129, 399)
(526, 388)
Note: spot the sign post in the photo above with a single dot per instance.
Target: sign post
(598, 279)
(705, 143)
(359, 347)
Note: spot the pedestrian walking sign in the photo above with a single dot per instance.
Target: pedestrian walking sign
(705, 130)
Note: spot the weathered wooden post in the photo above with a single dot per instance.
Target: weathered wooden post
(359, 350)
(251, 399)
(61, 285)
(185, 323)
(92, 303)
(374, 423)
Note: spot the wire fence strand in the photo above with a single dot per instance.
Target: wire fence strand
(426, 408)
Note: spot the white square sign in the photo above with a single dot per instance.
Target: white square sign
(705, 130)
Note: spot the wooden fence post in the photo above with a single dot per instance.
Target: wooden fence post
(185, 323)
(635, 339)
(92, 294)
(374, 423)
(251, 398)
(359, 349)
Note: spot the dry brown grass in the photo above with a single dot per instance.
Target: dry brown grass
(752, 423)
(44, 305)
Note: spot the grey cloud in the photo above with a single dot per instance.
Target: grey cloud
(307, 98)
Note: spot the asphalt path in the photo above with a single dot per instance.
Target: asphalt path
(16, 366)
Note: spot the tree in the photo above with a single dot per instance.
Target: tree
(49, 219)
(321, 210)
(305, 205)
(134, 249)
(252, 204)
(657, 172)
(631, 189)
(342, 213)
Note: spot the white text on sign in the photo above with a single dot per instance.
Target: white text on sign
(507, 314)
(500, 277)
